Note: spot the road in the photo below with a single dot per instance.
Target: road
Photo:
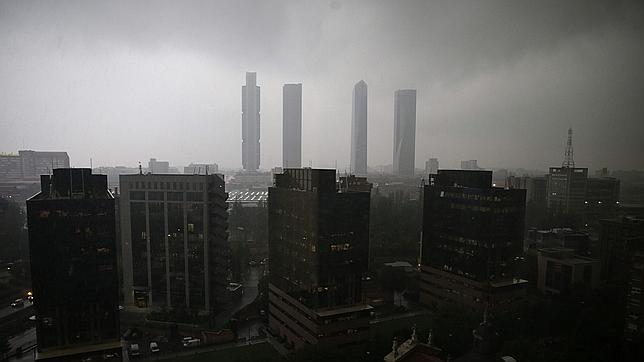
(254, 274)
(10, 310)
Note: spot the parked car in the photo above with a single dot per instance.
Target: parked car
(18, 303)
(154, 347)
(192, 343)
(134, 350)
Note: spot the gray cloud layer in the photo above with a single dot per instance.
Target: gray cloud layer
(500, 81)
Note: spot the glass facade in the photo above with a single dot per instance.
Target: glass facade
(170, 232)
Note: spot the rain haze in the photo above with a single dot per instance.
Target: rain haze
(497, 81)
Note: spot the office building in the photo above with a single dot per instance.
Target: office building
(73, 266)
(618, 238)
(470, 165)
(292, 125)
(158, 167)
(29, 165)
(250, 123)
(560, 269)
(404, 132)
(201, 169)
(431, 166)
(602, 198)
(174, 241)
(318, 251)
(359, 129)
(566, 190)
(472, 237)
(566, 185)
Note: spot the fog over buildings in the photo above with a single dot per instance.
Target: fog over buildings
(496, 81)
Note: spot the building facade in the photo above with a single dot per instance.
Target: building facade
(73, 266)
(359, 129)
(250, 123)
(404, 132)
(472, 237)
(431, 166)
(292, 125)
(174, 240)
(201, 169)
(318, 252)
(560, 269)
(566, 190)
(29, 165)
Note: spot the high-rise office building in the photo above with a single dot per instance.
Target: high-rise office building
(73, 266)
(292, 125)
(470, 165)
(174, 241)
(318, 240)
(472, 235)
(404, 132)
(250, 123)
(431, 166)
(359, 129)
(29, 165)
(155, 166)
(566, 185)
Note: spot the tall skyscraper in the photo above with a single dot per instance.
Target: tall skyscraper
(250, 123)
(359, 129)
(174, 241)
(73, 266)
(472, 235)
(292, 125)
(318, 241)
(404, 132)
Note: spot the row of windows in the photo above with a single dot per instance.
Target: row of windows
(171, 196)
(163, 185)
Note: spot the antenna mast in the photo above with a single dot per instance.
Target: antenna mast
(568, 160)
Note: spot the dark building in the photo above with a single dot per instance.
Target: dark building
(175, 241)
(602, 199)
(318, 253)
(472, 238)
(73, 266)
(566, 190)
(618, 238)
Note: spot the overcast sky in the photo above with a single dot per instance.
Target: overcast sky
(497, 81)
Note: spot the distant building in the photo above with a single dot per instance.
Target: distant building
(250, 123)
(359, 129)
(174, 241)
(318, 252)
(404, 132)
(470, 165)
(566, 190)
(113, 174)
(292, 125)
(559, 237)
(29, 165)
(472, 236)
(74, 277)
(158, 167)
(602, 198)
(431, 166)
(201, 169)
(560, 269)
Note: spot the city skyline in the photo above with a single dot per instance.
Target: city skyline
(483, 92)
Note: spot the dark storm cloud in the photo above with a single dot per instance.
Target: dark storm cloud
(500, 81)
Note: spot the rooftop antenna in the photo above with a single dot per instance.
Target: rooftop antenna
(140, 169)
(90, 163)
(568, 161)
